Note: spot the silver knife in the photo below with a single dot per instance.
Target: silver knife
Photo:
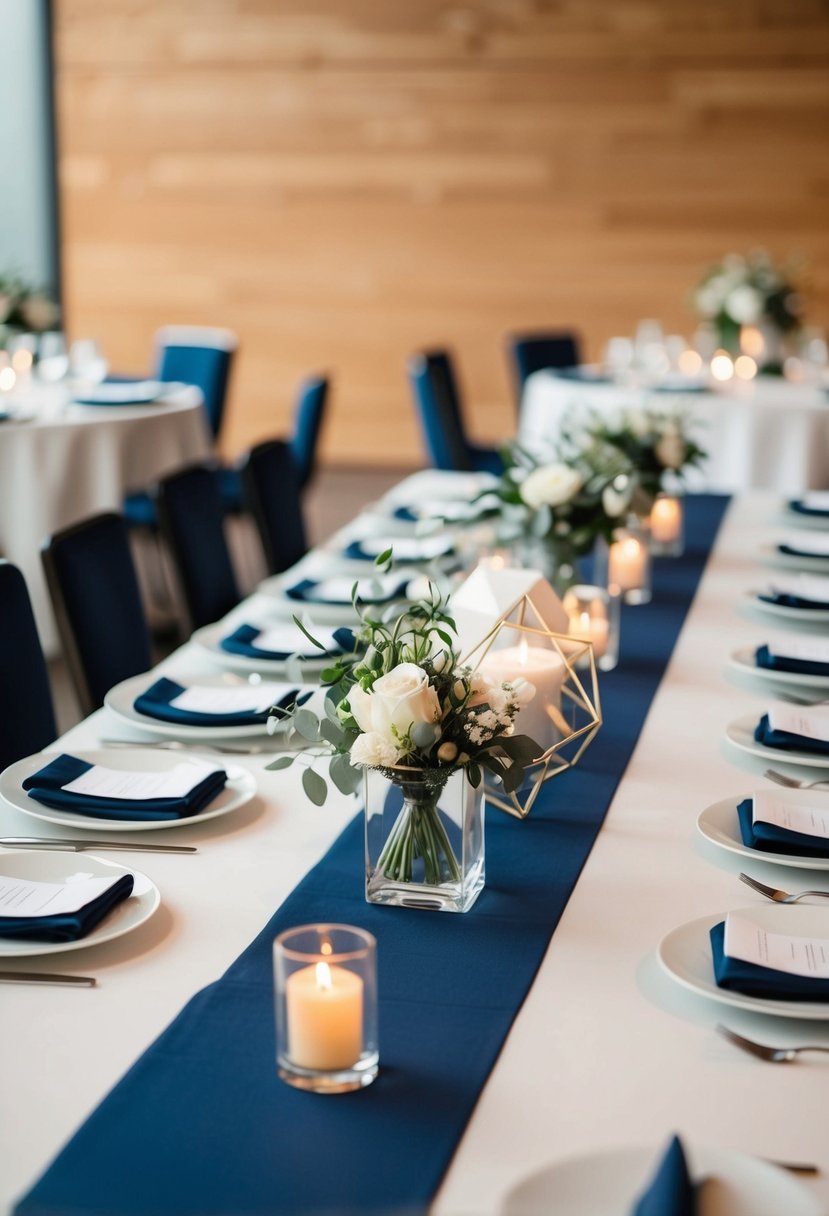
(45, 977)
(65, 845)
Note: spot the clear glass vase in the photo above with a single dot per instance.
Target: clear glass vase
(424, 839)
(553, 556)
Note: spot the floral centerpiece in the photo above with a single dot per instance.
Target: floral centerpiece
(750, 290)
(657, 449)
(403, 707)
(24, 308)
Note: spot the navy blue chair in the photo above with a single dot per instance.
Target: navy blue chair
(29, 716)
(538, 351)
(272, 492)
(202, 356)
(437, 401)
(192, 524)
(308, 419)
(97, 602)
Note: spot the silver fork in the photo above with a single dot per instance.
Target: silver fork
(777, 1055)
(792, 783)
(175, 745)
(780, 897)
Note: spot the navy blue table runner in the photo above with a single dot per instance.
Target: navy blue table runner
(202, 1124)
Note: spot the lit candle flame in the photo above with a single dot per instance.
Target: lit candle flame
(324, 981)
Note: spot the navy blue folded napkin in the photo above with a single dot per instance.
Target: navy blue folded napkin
(671, 1192)
(67, 926)
(312, 591)
(794, 551)
(803, 508)
(357, 553)
(787, 740)
(788, 599)
(770, 838)
(155, 703)
(243, 641)
(46, 786)
(763, 657)
(753, 980)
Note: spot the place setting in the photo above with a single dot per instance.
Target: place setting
(807, 551)
(809, 511)
(796, 599)
(781, 826)
(786, 733)
(277, 648)
(798, 661)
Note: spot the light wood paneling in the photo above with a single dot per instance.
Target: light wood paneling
(343, 181)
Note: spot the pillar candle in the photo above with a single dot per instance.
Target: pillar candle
(666, 520)
(542, 668)
(627, 564)
(324, 1007)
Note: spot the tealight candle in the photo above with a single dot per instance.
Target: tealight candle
(326, 1007)
(545, 670)
(666, 525)
(627, 563)
(594, 617)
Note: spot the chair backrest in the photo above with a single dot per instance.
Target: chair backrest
(97, 602)
(272, 490)
(535, 352)
(191, 517)
(437, 401)
(29, 717)
(200, 355)
(308, 418)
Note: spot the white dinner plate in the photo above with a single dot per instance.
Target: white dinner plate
(740, 732)
(813, 563)
(43, 866)
(685, 955)
(606, 1183)
(120, 702)
(210, 636)
(785, 613)
(240, 788)
(743, 660)
(799, 519)
(719, 824)
(335, 615)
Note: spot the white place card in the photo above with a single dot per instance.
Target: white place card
(809, 722)
(799, 811)
(250, 699)
(808, 542)
(816, 500)
(177, 782)
(746, 940)
(454, 510)
(810, 650)
(25, 897)
(407, 548)
(807, 586)
(289, 639)
(338, 590)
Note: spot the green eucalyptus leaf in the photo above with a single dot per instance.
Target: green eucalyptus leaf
(307, 725)
(333, 733)
(316, 790)
(384, 558)
(281, 762)
(345, 775)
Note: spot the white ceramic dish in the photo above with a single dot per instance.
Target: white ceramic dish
(209, 638)
(783, 612)
(120, 702)
(740, 732)
(685, 955)
(607, 1182)
(42, 866)
(800, 519)
(770, 555)
(719, 824)
(743, 660)
(240, 788)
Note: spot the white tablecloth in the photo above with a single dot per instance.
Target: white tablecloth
(606, 1050)
(767, 434)
(64, 462)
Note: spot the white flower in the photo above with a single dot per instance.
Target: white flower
(744, 305)
(396, 702)
(481, 689)
(638, 422)
(671, 448)
(616, 497)
(522, 692)
(550, 485)
(373, 749)
(39, 312)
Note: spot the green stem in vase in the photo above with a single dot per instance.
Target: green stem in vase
(419, 834)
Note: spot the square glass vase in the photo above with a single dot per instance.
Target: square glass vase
(424, 838)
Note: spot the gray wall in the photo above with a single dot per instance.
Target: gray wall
(27, 196)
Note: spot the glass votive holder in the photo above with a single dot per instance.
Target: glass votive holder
(667, 526)
(595, 617)
(624, 566)
(325, 982)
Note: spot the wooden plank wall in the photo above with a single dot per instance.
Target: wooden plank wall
(343, 181)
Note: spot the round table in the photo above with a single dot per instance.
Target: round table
(61, 462)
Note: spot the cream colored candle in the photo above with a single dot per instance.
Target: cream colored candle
(324, 1006)
(627, 564)
(542, 668)
(666, 520)
(592, 625)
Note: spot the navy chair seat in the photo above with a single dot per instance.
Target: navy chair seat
(140, 512)
(538, 351)
(308, 420)
(438, 404)
(230, 490)
(29, 718)
(272, 492)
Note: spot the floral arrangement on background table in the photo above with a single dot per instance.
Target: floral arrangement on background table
(751, 291)
(657, 448)
(403, 705)
(24, 308)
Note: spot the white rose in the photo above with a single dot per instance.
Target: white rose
(399, 700)
(670, 450)
(616, 498)
(550, 486)
(373, 749)
(744, 305)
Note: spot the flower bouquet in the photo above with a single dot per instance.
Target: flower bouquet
(406, 717)
(24, 308)
(656, 448)
(750, 290)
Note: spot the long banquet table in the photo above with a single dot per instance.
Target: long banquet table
(606, 1050)
(61, 462)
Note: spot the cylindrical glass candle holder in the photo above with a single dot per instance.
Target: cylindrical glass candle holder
(325, 981)
(595, 617)
(666, 523)
(624, 566)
